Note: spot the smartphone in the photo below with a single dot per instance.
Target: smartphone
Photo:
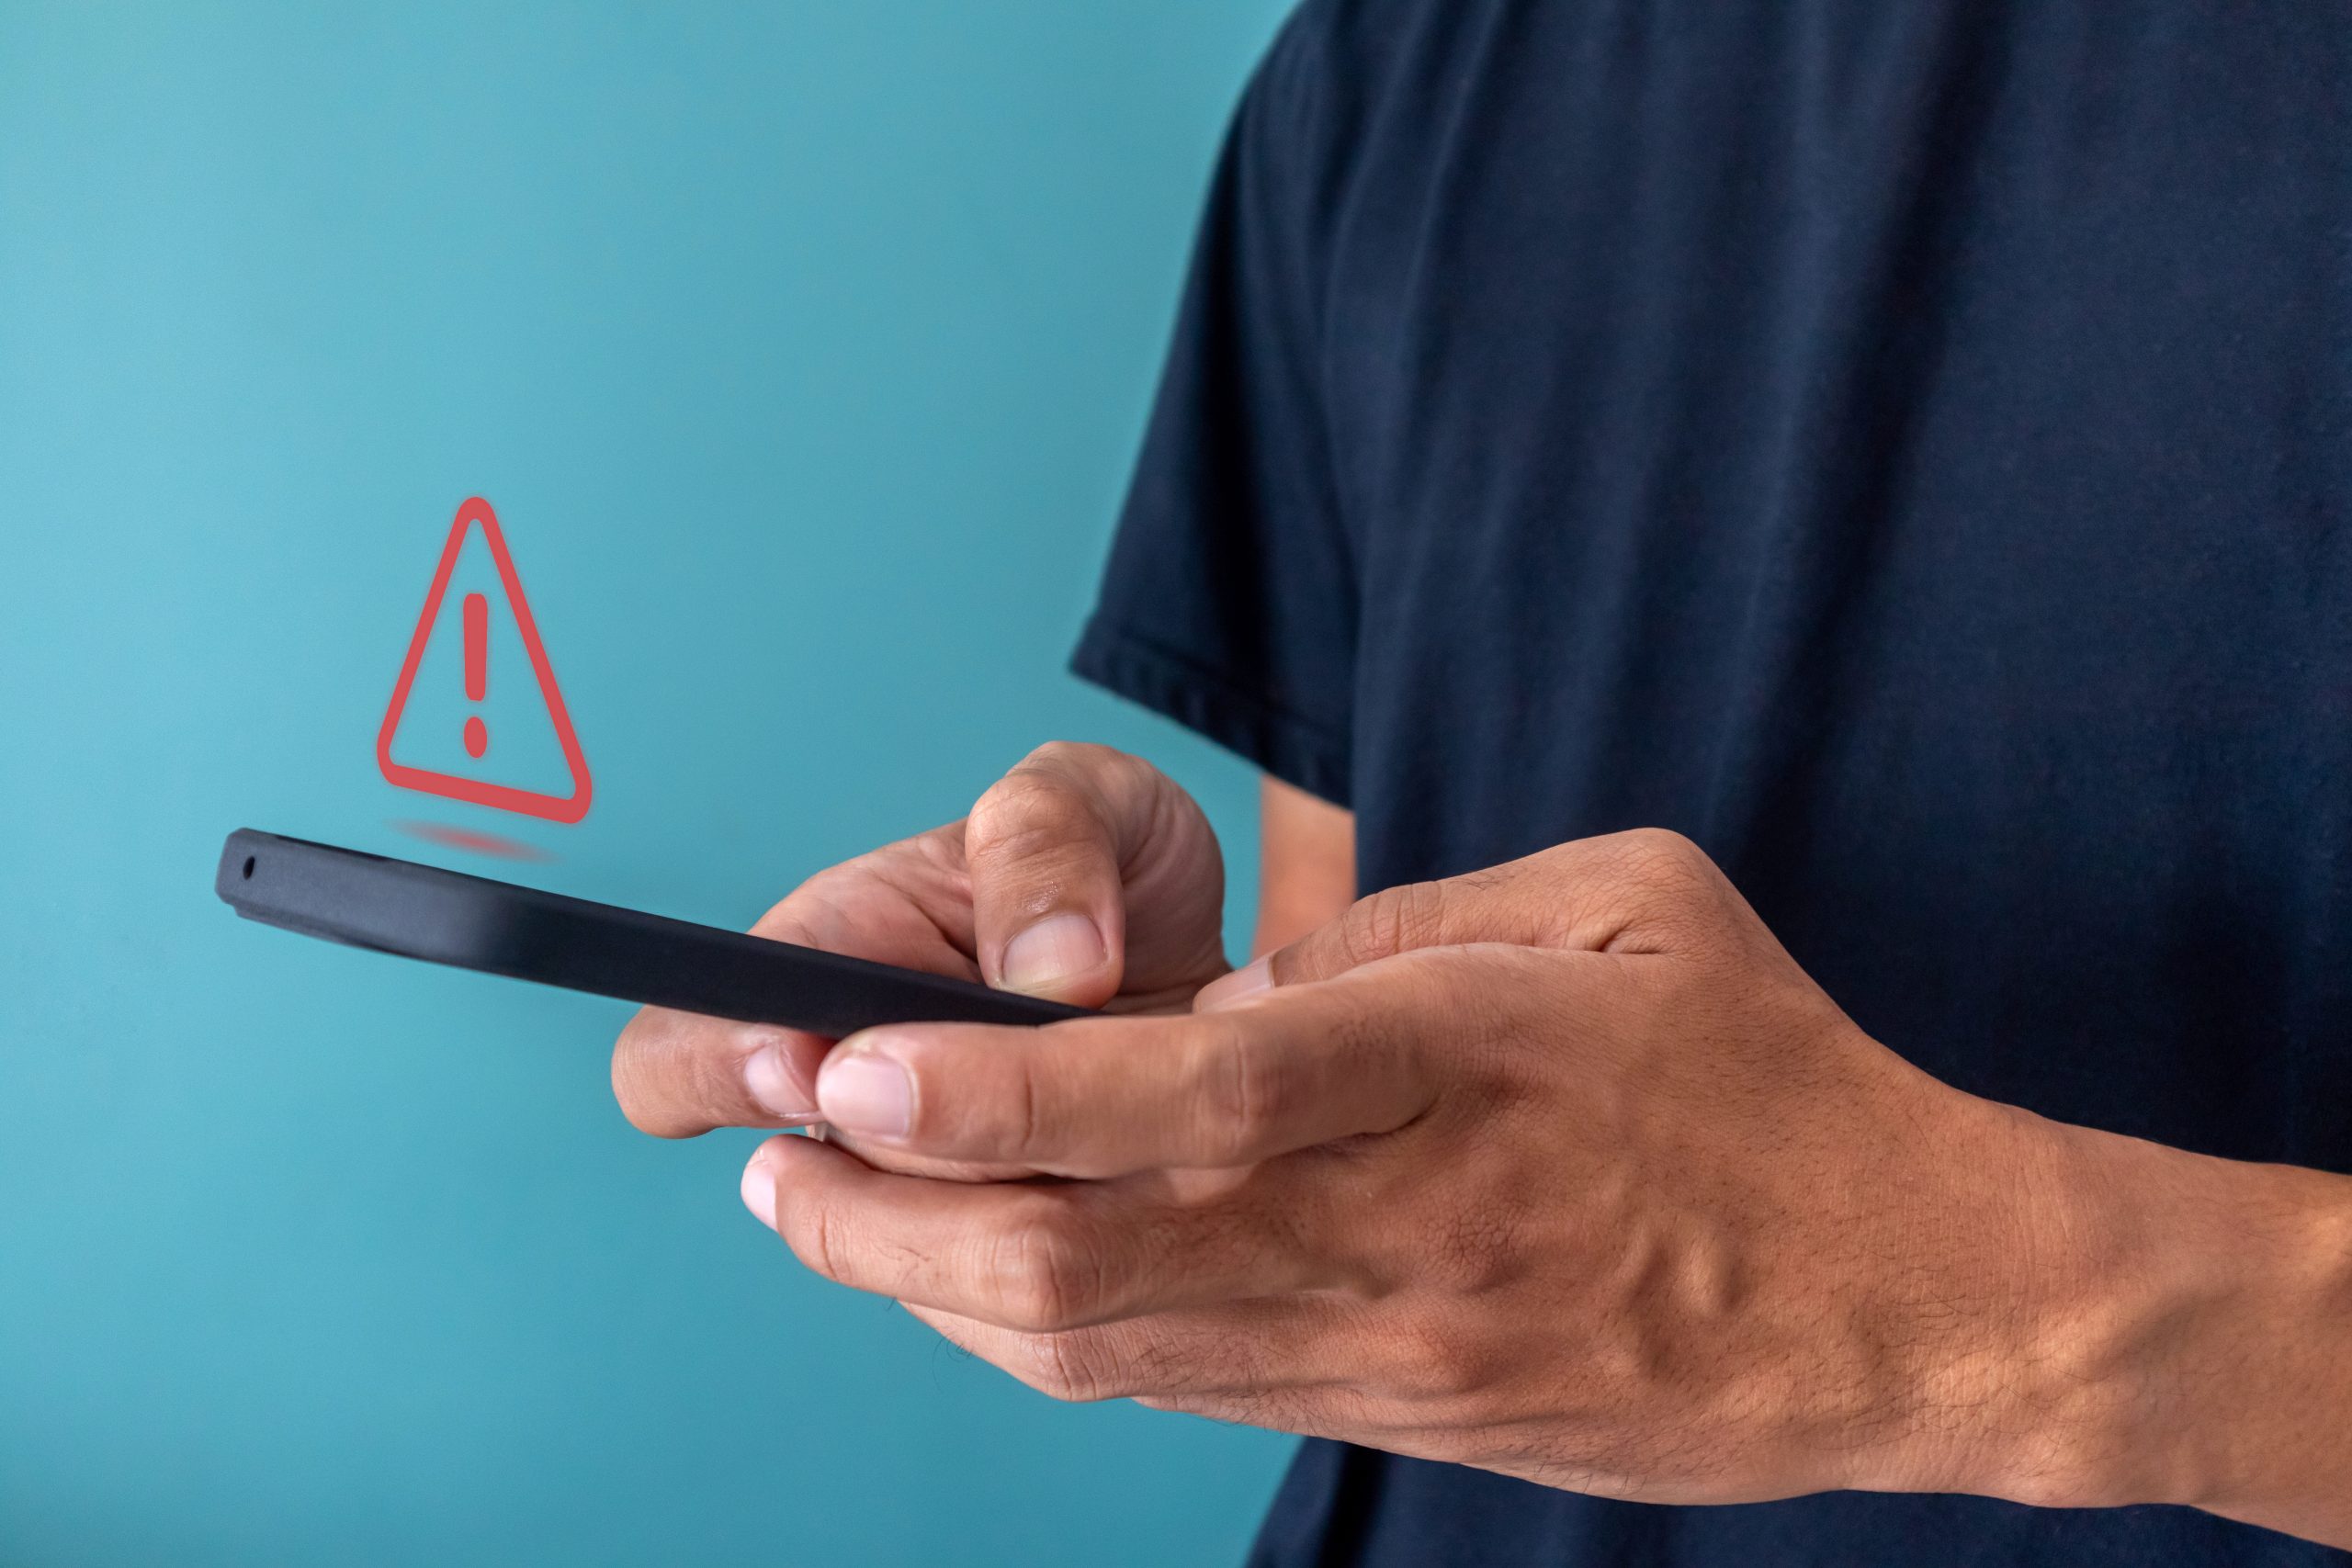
(473, 922)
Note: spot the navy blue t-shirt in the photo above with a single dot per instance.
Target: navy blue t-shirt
(1904, 444)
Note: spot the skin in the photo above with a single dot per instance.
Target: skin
(1564, 1170)
(1307, 865)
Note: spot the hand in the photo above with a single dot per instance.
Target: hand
(1564, 1170)
(1084, 874)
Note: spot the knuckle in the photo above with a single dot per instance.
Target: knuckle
(1243, 1092)
(1663, 857)
(811, 1228)
(1033, 1126)
(1027, 813)
(1074, 757)
(1163, 1365)
(1048, 1275)
(1393, 921)
(798, 915)
(1074, 1367)
(938, 853)
(822, 911)
(1089, 767)
(1665, 886)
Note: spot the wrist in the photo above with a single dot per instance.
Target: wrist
(2178, 1321)
(2248, 1392)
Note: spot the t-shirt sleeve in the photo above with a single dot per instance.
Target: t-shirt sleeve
(1229, 603)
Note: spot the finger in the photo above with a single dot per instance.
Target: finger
(1294, 1364)
(1103, 1097)
(1037, 1257)
(1605, 894)
(1057, 849)
(677, 1075)
(1231, 1351)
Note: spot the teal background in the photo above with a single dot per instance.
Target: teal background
(802, 349)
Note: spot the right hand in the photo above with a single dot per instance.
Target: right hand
(1084, 874)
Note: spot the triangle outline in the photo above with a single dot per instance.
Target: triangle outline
(481, 791)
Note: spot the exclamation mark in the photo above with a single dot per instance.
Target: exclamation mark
(477, 670)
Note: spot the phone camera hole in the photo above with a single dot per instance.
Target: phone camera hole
(249, 868)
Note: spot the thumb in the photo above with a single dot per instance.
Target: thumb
(1058, 849)
(1382, 925)
(1587, 894)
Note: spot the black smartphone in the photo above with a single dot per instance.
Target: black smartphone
(473, 922)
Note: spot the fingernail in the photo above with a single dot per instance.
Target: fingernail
(1252, 978)
(759, 1189)
(1054, 950)
(769, 1081)
(868, 1093)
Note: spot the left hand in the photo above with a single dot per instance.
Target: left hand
(1083, 875)
(1563, 1169)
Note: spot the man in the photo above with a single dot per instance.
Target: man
(1905, 451)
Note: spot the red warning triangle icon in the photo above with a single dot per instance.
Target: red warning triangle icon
(505, 797)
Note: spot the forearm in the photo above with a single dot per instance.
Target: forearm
(1307, 865)
(2201, 1352)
